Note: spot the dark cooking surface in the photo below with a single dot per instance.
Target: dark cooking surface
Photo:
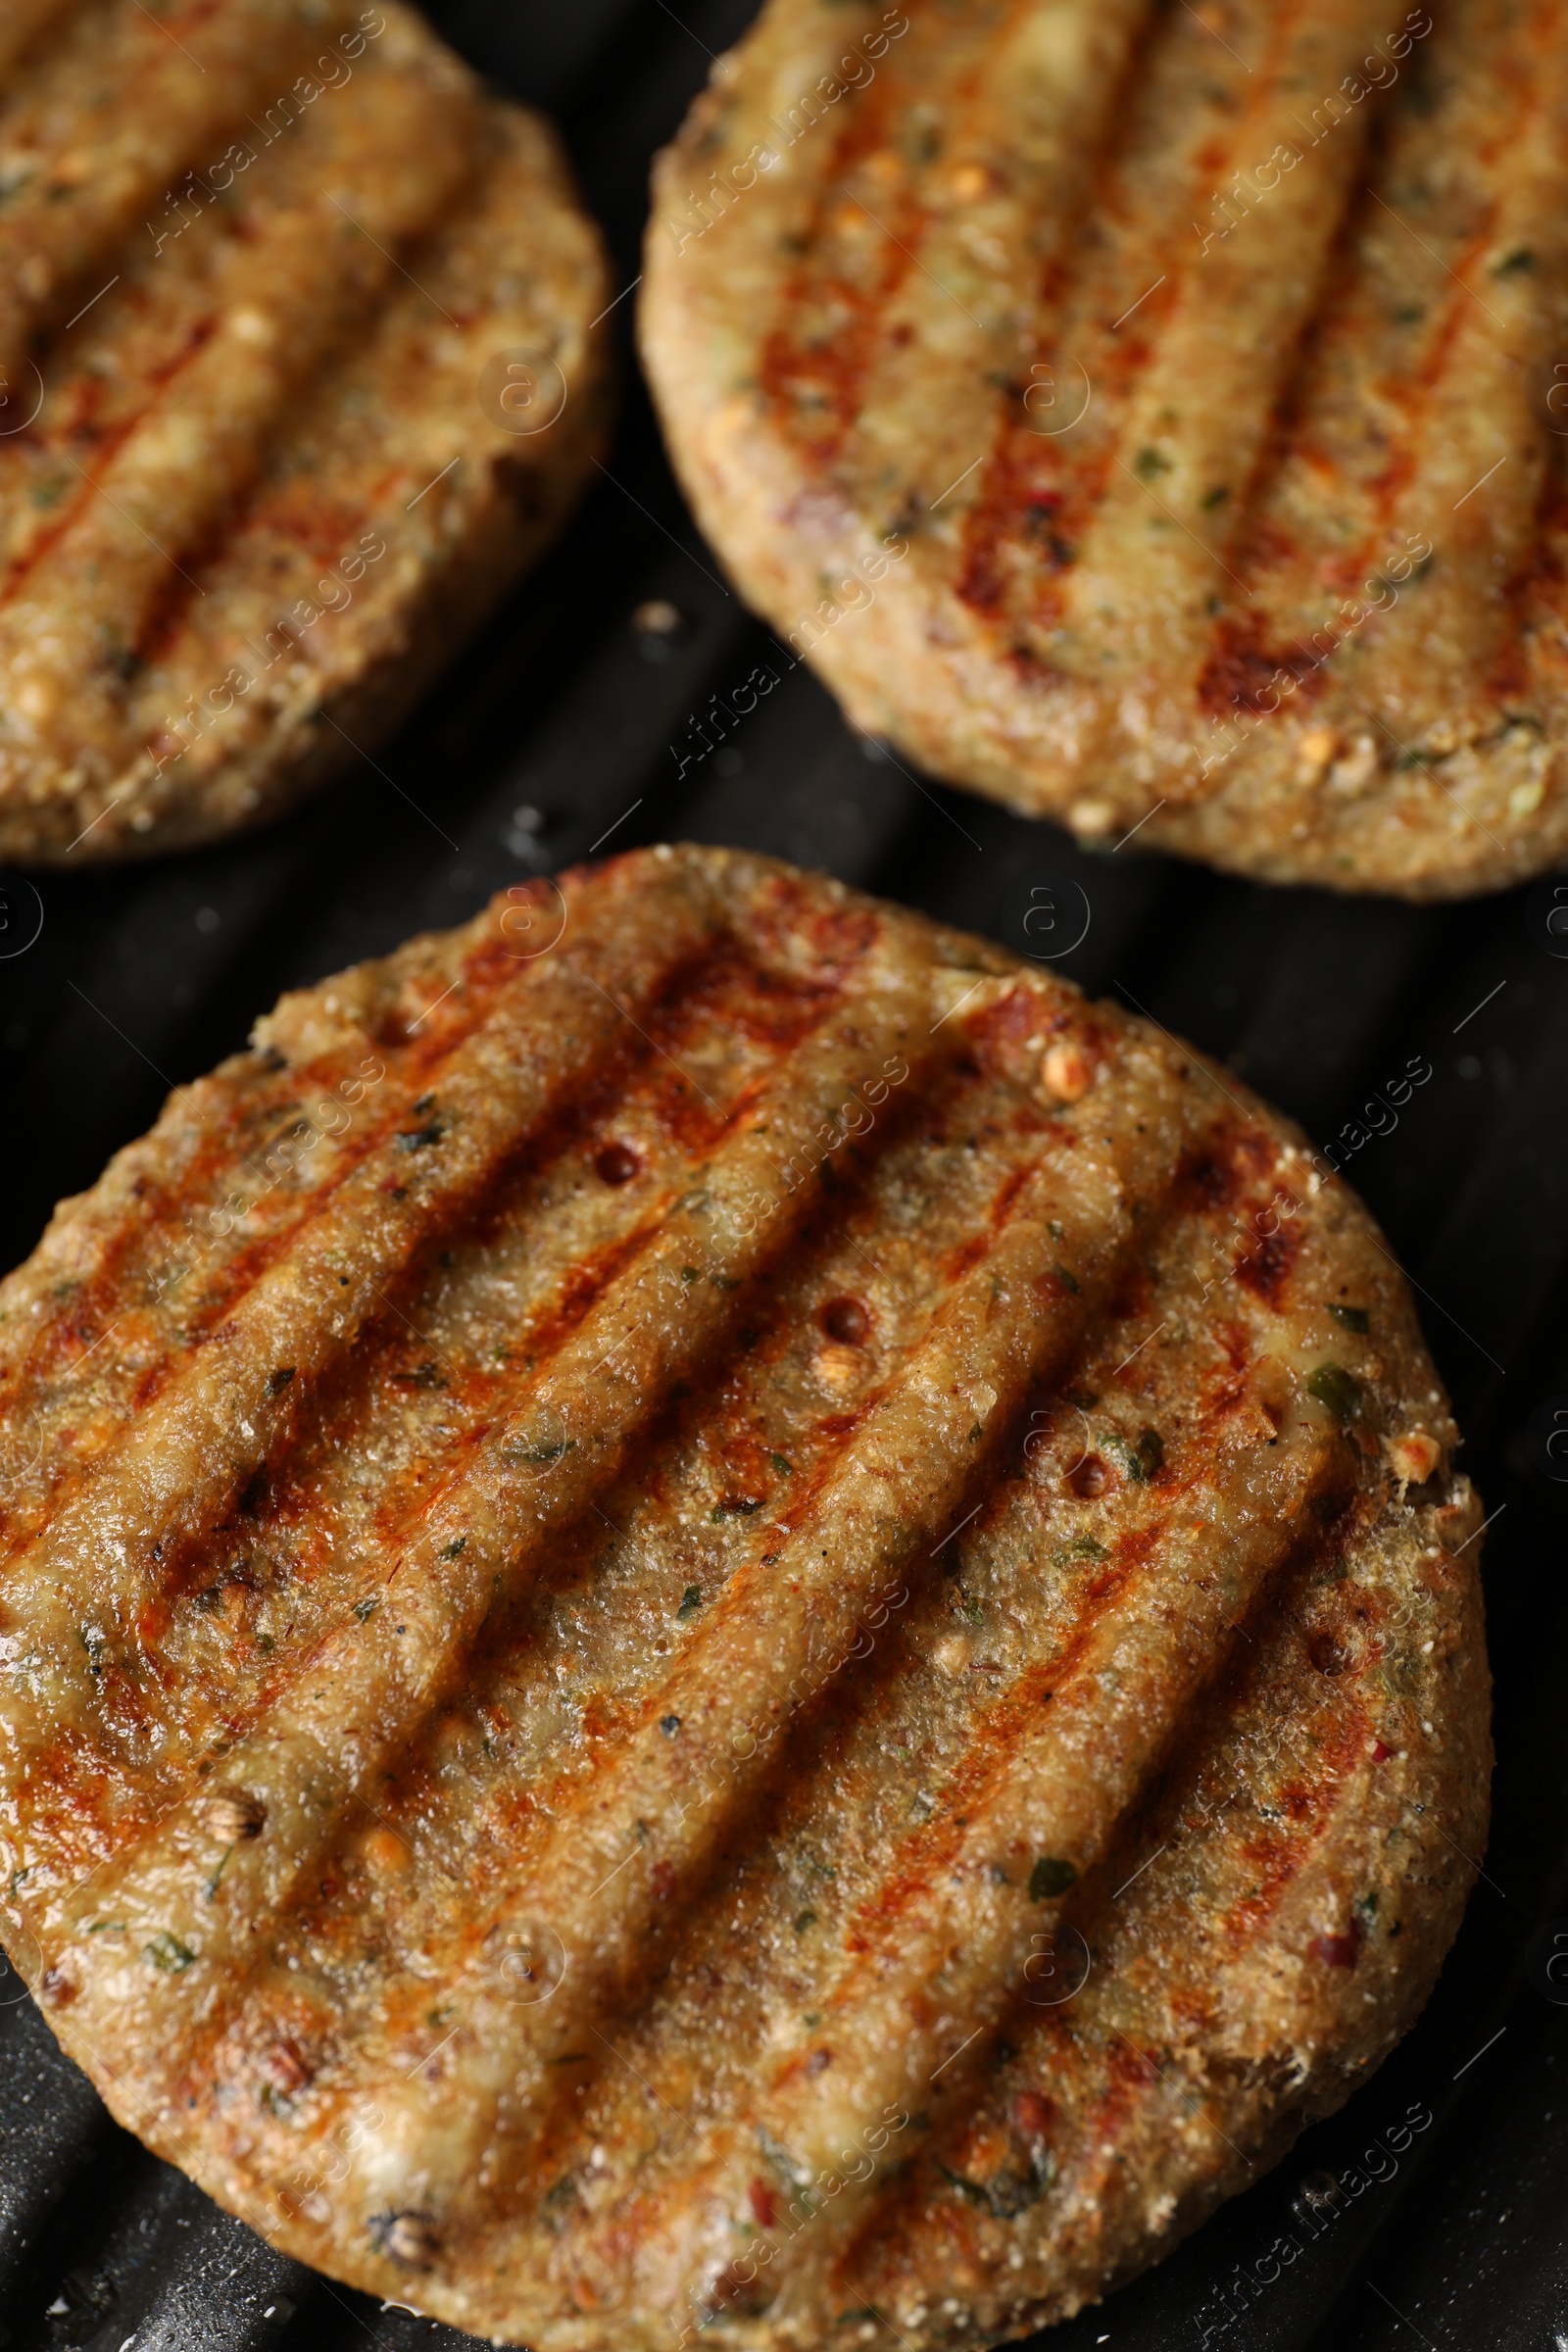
(558, 727)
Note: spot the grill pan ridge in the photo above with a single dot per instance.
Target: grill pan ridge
(602, 702)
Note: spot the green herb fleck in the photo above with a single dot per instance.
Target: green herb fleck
(168, 1953)
(804, 1920)
(1128, 1460)
(1515, 263)
(1150, 464)
(785, 1469)
(1082, 1548)
(1006, 2194)
(564, 2193)
(450, 1551)
(1068, 1281)
(1355, 1318)
(1215, 498)
(123, 660)
(1334, 1387)
(1049, 1877)
(971, 2189)
(364, 1608)
(691, 1600)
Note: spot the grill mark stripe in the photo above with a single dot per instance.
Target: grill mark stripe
(500, 2256)
(406, 1501)
(1009, 250)
(1062, 1791)
(369, 1685)
(372, 479)
(1154, 553)
(101, 1550)
(141, 100)
(975, 1365)
(722, 1685)
(282, 298)
(998, 1783)
(1103, 318)
(24, 19)
(847, 357)
(977, 664)
(203, 1139)
(967, 1793)
(1450, 404)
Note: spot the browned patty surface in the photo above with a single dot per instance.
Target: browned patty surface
(712, 1606)
(264, 267)
(1142, 411)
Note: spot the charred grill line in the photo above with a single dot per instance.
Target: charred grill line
(723, 1693)
(407, 2083)
(1223, 606)
(371, 1680)
(494, 1090)
(239, 397)
(1059, 1786)
(182, 102)
(24, 19)
(284, 292)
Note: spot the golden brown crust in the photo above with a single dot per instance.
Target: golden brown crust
(710, 1603)
(1139, 417)
(269, 485)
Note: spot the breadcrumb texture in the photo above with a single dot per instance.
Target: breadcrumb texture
(672, 1648)
(1143, 413)
(262, 266)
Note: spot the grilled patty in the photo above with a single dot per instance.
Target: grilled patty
(1150, 413)
(714, 1607)
(264, 267)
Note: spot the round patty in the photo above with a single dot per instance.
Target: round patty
(297, 325)
(1144, 413)
(715, 1607)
